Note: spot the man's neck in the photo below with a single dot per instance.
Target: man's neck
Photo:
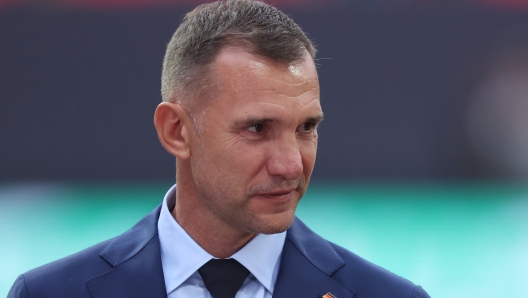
(212, 237)
(217, 237)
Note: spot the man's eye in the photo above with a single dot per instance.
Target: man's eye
(308, 127)
(256, 127)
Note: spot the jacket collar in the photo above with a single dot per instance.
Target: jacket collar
(307, 264)
(136, 261)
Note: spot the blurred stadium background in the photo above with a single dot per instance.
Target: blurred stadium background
(423, 158)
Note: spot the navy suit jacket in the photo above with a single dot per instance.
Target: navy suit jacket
(129, 266)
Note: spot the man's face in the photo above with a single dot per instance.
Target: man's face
(252, 160)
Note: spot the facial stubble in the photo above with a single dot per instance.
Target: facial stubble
(221, 194)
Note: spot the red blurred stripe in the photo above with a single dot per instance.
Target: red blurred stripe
(10, 3)
(124, 4)
(509, 4)
(113, 4)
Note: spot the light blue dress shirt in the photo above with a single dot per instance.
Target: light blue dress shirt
(181, 257)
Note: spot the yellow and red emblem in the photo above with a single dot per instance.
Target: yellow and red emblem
(328, 295)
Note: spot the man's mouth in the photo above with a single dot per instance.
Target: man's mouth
(278, 194)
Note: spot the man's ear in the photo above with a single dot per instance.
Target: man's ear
(174, 127)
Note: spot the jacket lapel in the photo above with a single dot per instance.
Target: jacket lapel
(136, 260)
(307, 264)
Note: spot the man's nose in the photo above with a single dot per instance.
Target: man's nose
(285, 160)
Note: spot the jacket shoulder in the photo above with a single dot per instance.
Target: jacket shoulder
(348, 269)
(68, 277)
(370, 280)
(65, 277)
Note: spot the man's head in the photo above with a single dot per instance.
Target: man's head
(250, 163)
(209, 28)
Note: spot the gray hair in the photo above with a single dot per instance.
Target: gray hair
(210, 27)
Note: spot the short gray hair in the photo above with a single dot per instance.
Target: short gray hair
(210, 27)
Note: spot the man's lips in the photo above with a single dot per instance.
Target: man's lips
(277, 193)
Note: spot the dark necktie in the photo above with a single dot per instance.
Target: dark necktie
(223, 277)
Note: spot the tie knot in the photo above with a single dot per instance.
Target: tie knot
(223, 277)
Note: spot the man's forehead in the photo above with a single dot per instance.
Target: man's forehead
(240, 61)
(253, 86)
(247, 76)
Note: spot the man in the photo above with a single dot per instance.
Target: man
(240, 113)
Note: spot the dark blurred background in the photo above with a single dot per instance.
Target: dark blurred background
(423, 155)
(79, 82)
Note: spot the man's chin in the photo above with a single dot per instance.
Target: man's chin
(274, 224)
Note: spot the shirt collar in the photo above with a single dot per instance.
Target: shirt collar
(261, 256)
(181, 256)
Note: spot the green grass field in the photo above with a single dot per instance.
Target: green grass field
(455, 239)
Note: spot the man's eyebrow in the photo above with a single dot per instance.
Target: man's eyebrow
(257, 120)
(315, 119)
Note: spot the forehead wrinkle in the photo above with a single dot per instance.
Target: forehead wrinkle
(299, 90)
(289, 97)
(303, 82)
(288, 106)
(301, 75)
(312, 100)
